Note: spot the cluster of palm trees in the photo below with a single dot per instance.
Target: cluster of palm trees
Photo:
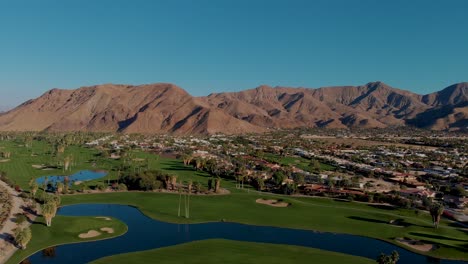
(186, 198)
(388, 259)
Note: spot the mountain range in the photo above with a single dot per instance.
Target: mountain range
(166, 108)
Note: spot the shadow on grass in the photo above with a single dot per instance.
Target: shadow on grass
(341, 200)
(368, 219)
(383, 207)
(179, 168)
(38, 223)
(436, 236)
(459, 225)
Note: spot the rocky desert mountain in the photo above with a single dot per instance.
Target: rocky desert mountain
(166, 108)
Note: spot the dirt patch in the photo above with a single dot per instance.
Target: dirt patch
(103, 217)
(416, 244)
(272, 202)
(108, 230)
(89, 234)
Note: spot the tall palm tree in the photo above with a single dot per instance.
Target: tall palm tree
(187, 209)
(59, 187)
(48, 211)
(23, 236)
(217, 184)
(180, 199)
(173, 179)
(34, 188)
(436, 211)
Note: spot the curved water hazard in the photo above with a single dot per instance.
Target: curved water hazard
(145, 233)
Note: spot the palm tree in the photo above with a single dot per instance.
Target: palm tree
(217, 184)
(23, 236)
(34, 188)
(180, 199)
(59, 187)
(187, 208)
(436, 211)
(390, 259)
(173, 179)
(66, 163)
(48, 211)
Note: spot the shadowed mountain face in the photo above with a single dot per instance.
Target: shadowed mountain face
(166, 108)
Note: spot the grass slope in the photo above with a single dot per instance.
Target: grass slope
(65, 230)
(226, 251)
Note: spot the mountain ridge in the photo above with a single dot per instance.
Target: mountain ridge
(167, 108)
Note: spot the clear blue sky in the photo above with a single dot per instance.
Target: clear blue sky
(209, 46)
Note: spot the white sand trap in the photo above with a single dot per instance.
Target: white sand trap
(37, 166)
(107, 230)
(415, 244)
(89, 234)
(272, 202)
(103, 217)
(4, 160)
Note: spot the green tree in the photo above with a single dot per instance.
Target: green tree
(217, 185)
(23, 236)
(59, 187)
(34, 187)
(279, 177)
(48, 211)
(390, 259)
(436, 210)
(314, 165)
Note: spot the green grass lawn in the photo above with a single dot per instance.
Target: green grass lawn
(227, 251)
(300, 162)
(20, 169)
(65, 230)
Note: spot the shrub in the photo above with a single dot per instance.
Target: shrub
(20, 219)
(101, 186)
(122, 187)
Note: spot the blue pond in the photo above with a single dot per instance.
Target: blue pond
(84, 175)
(145, 233)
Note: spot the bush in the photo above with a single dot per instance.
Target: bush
(24, 195)
(20, 219)
(101, 186)
(122, 187)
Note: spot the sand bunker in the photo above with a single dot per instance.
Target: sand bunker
(4, 160)
(274, 203)
(103, 217)
(37, 166)
(108, 230)
(416, 244)
(89, 234)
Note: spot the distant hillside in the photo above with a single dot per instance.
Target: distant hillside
(166, 108)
